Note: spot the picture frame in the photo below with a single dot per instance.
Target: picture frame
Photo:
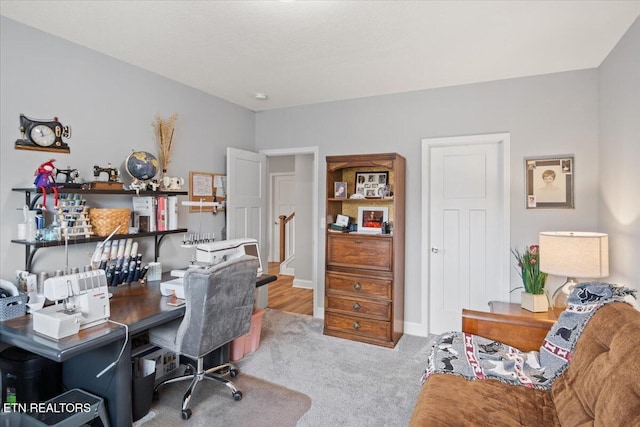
(373, 185)
(340, 190)
(370, 218)
(206, 187)
(549, 182)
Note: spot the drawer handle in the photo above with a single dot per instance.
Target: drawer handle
(356, 325)
(357, 286)
(356, 306)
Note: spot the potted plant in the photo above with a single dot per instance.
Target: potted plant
(533, 298)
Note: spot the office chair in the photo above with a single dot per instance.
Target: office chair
(218, 308)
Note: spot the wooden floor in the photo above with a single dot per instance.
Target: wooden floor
(283, 296)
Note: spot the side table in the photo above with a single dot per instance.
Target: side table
(511, 324)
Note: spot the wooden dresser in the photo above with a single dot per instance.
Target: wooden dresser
(364, 279)
(511, 324)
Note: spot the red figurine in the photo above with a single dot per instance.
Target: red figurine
(44, 180)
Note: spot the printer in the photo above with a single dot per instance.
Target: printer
(210, 254)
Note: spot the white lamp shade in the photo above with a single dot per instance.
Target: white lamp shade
(574, 254)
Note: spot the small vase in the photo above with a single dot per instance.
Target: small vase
(534, 303)
(164, 180)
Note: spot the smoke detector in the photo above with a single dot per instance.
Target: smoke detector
(261, 96)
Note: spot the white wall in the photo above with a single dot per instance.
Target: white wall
(546, 115)
(110, 106)
(619, 151)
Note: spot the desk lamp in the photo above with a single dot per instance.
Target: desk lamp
(573, 254)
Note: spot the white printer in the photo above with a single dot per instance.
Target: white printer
(210, 254)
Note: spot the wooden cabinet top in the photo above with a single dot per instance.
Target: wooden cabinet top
(385, 160)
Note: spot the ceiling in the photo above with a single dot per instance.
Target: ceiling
(306, 52)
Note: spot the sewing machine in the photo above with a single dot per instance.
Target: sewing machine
(113, 178)
(210, 254)
(70, 175)
(82, 301)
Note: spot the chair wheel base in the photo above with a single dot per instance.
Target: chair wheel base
(186, 414)
(237, 395)
(233, 373)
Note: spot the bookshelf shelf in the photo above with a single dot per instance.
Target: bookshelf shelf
(32, 195)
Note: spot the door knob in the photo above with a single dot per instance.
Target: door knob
(435, 250)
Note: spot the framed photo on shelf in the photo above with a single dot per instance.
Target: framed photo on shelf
(340, 190)
(370, 218)
(549, 182)
(373, 185)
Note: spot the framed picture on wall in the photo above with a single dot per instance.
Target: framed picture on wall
(549, 182)
(372, 185)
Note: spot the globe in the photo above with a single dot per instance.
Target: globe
(142, 165)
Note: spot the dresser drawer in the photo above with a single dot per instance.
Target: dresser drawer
(378, 329)
(363, 307)
(359, 251)
(358, 285)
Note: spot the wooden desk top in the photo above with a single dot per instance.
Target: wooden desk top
(139, 306)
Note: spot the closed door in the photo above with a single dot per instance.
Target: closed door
(467, 242)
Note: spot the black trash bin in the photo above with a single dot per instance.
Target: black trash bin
(144, 377)
(26, 377)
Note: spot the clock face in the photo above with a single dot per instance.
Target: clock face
(43, 135)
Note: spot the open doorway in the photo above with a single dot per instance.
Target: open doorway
(293, 186)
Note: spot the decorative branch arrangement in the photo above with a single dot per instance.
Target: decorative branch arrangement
(163, 129)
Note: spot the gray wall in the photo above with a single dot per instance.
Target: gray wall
(304, 240)
(110, 106)
(619, 178)
(546, 115)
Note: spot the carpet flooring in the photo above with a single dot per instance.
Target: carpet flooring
(263, 404)
(348, 383)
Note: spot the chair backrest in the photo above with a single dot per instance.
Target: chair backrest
(218, 305)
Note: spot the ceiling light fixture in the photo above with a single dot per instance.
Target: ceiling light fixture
(261, 96)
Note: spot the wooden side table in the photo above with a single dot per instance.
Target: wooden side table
(511, 324)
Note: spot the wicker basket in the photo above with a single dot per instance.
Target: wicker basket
(104, 221)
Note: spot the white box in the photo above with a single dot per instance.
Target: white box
(166, 360)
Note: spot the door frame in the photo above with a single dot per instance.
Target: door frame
(314, 151)
(503, 139)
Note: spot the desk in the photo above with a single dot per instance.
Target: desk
(84, 355)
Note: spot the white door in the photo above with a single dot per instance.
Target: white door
(283, 203)
(247, 196)
(468, 240)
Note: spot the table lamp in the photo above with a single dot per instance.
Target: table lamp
(573, 254)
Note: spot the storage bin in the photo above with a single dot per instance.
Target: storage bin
(11, 307)
(250, 342)
(26, 377)
(144, 377)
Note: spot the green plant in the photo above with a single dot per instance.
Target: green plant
(529, 269)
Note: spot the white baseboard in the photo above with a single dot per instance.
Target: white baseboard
(304, 284)
(417, 329)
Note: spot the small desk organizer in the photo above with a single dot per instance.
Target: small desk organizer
(11, 307)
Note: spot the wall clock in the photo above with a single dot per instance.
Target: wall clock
(43, 135)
